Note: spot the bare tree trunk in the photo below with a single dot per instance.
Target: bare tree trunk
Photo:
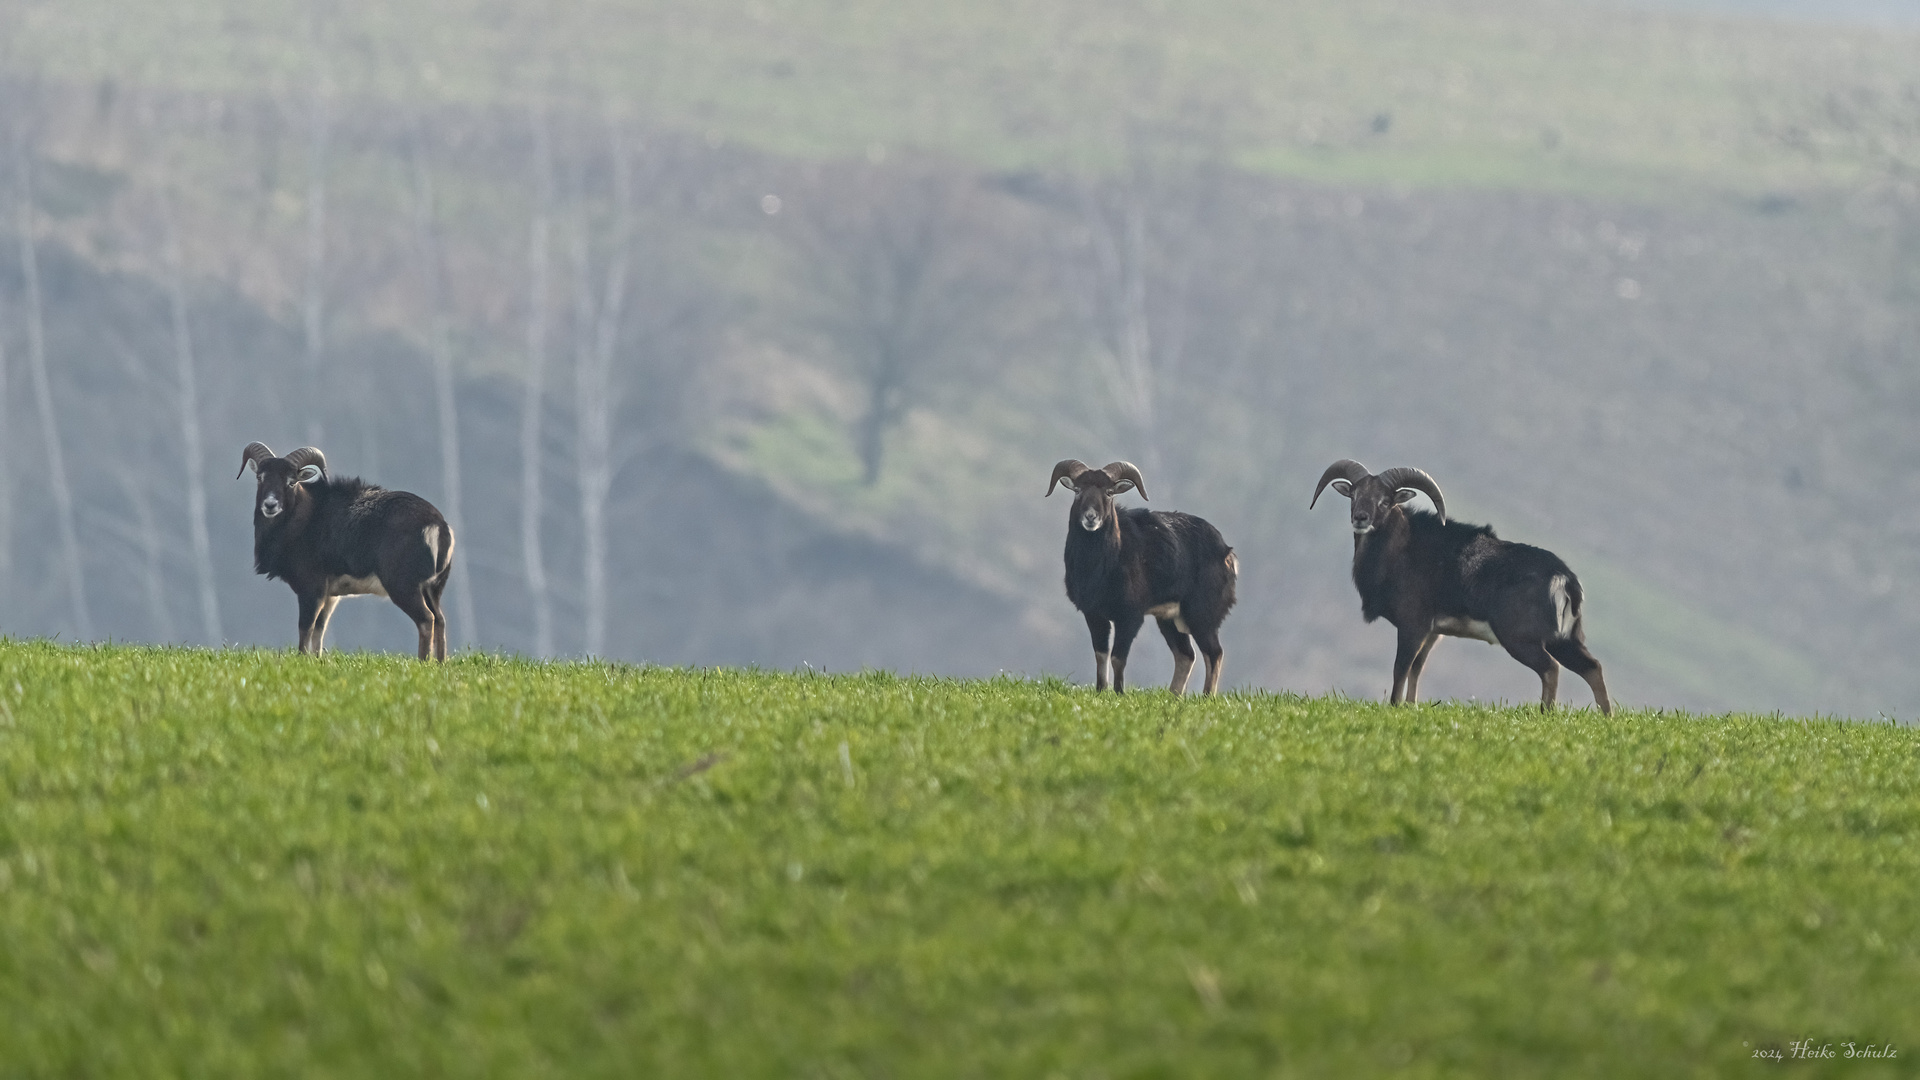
(446, 403)
(533, 404)
(152, 552)
(42, 390)
(883, 411)
(187, 391)
(319, 130)
(1120, 268)
(143, 533)
(597, 334)
(894, 352)
(6, 478)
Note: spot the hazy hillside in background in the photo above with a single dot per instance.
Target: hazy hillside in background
(1896, 13)
(842, 281)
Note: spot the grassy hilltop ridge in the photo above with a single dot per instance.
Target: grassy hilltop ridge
(237, 863)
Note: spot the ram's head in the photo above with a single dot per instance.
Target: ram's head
(1094, 489)
(1375, 497)
(280, 477)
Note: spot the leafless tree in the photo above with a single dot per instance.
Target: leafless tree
(24, 223)
(900, 290)
(319, 136)
(138, 529)
(187, 399)
(1137, 275)
(1140, 242)
(6, 476)
(146, 534)
(596, 334)
(534, 399)
(440, 348)
(1116, 224)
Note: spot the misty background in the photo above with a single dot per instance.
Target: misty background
(748, 332)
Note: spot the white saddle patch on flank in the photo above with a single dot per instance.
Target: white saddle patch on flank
(356, 586)
(432, 533)
(1170, 610)
(1562, 606)
(1468, 628)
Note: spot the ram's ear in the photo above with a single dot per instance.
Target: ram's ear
(1120, 487)
(1343, 487)
(1405, 495)
(309, 474)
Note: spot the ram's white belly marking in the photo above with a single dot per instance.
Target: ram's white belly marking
(1472, 628)
(1170, 610)
(356, 586)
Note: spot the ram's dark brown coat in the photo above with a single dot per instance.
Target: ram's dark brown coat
(329, 538)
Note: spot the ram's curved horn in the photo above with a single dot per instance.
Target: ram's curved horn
(1124, 470)
(1345, 469)
(1069, 470)
(254, 454)
(306, 456)
(1418, 480)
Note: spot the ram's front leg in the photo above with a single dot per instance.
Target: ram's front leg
(1101, 630)
(1403, 658)
(1124, 631)
(310, 605)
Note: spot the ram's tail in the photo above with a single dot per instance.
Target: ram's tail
(1564, 591)
(439, 538)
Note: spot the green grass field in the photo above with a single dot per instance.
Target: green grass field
(252, 863)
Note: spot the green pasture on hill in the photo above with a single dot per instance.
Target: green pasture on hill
(1562, 95)
(252, 863)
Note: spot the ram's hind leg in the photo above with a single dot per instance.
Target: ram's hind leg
(318, 639)
(1573, 653)
(433, 590)
(1209, 642)
(414, 603)
(1534, 655)
(1182, 647)
(1419, 665)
